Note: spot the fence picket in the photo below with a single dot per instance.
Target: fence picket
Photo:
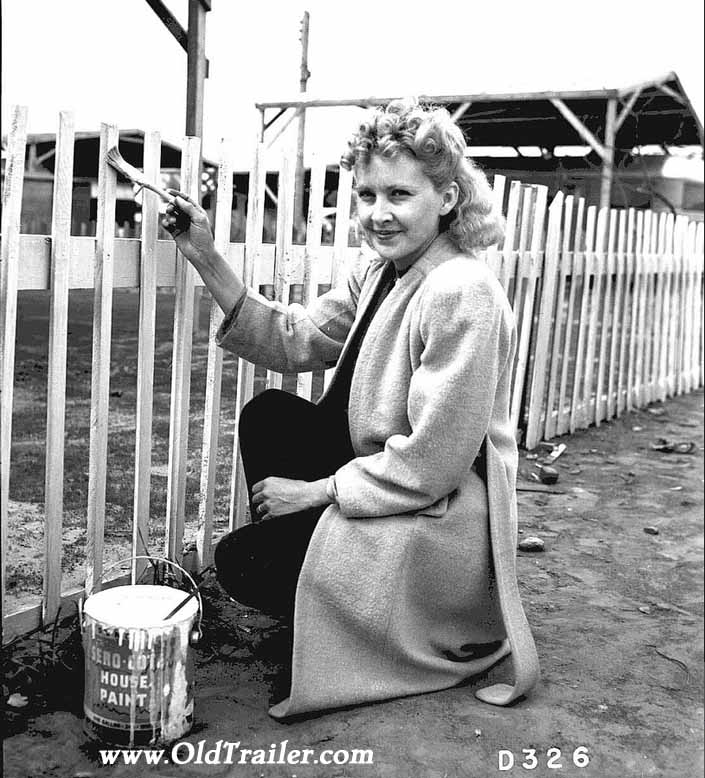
(314, 225)
(145, 356)
(627, 314)
(100, 373)
(537, 209)
(560, 338)
(650, 361)
(617, 331)
(545, 323)
(509, 257)
(607, 263)
(699, 343)
(340, 239)
(576, 272)
(674, 293)
(577, 411)
(239, 497)
(683, 379)
(214, 371)
(282, 256)
(9, 280)
(56, 367)
(598, 261)
(634, 283)
(661, 323)
(181, 369)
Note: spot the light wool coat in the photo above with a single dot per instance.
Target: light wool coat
(414, 565)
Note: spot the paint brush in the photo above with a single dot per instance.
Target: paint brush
(189, 596)
(116, 160)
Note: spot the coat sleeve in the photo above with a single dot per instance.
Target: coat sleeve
(461, 344)
(291, 338)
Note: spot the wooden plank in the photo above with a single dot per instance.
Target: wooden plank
(535, 258)
(699, 233)
(598, 261)
(239, 497)
(181, 370)
(313, 244)
(649, 380)
(100, 373)
(642, 230)
(606, 261)
(662, 277)
(285, 223)
(625, 248)
(214, 371)
(578, 403)
(56, 367)
(509, 256)
(547, 303)
(679, 317)
(560, 336)
(673, 307)
(694, 313)
(617, 324)
(573, 268)
(681, 230)
(36, 262)
(634, 284)
(340, 239)
(145, 356)
(9, 273)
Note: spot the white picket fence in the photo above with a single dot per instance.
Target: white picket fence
(608, 305)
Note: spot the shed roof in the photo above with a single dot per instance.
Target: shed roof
(87, 146)
(657, 111)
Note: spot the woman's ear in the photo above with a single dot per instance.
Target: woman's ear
(450, 198)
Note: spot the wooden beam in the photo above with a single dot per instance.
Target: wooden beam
(672, 93)
(579, 127)
(626, 110)
(481, 97)
(283, 125)
(460, 111)
(170, 22)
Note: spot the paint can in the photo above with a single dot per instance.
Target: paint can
(138, 668)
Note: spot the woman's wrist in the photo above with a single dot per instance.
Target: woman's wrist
(221, 280)
(320, 493)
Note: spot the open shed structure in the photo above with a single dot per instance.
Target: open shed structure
(613, 122)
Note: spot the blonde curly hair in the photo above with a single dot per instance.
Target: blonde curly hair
(429, 135)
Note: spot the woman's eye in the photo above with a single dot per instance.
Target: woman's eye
(400, 193)
(366, 197)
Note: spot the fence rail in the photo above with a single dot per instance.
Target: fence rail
(608, 305)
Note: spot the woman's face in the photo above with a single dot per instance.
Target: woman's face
(399, 208)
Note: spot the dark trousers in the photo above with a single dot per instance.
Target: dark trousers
(280, 435)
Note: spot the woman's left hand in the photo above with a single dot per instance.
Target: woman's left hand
(274, 496)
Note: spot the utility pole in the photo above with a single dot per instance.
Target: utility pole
(299, 215)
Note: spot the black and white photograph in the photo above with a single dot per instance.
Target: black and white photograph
(351, 382)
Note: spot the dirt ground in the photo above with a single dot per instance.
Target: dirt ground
(617, 614)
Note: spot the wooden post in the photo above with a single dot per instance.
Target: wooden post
(56, 382)
(299, 216)
(608, 160)
(9, 275)
(196, 66)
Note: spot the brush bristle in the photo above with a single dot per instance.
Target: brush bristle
(116, 160)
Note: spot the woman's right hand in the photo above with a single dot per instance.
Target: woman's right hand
(190, 227)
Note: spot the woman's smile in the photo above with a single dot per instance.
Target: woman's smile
(398, 207)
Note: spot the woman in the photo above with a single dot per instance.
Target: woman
(390, 521)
